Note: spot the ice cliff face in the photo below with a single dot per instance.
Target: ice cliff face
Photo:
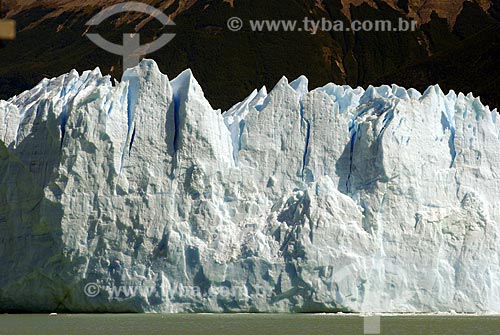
(382, 200)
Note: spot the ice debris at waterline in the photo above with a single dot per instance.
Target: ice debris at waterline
(338, 199)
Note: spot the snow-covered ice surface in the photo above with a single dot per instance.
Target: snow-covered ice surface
(337, 199)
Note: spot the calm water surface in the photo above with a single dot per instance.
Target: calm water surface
(240, 324)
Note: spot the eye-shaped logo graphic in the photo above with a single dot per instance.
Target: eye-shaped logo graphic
(131, 50)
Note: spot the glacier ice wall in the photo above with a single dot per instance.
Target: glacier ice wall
(337, 199)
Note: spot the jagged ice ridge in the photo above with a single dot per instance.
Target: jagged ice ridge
(337, 199)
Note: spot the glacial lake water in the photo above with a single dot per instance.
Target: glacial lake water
(241, 324)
